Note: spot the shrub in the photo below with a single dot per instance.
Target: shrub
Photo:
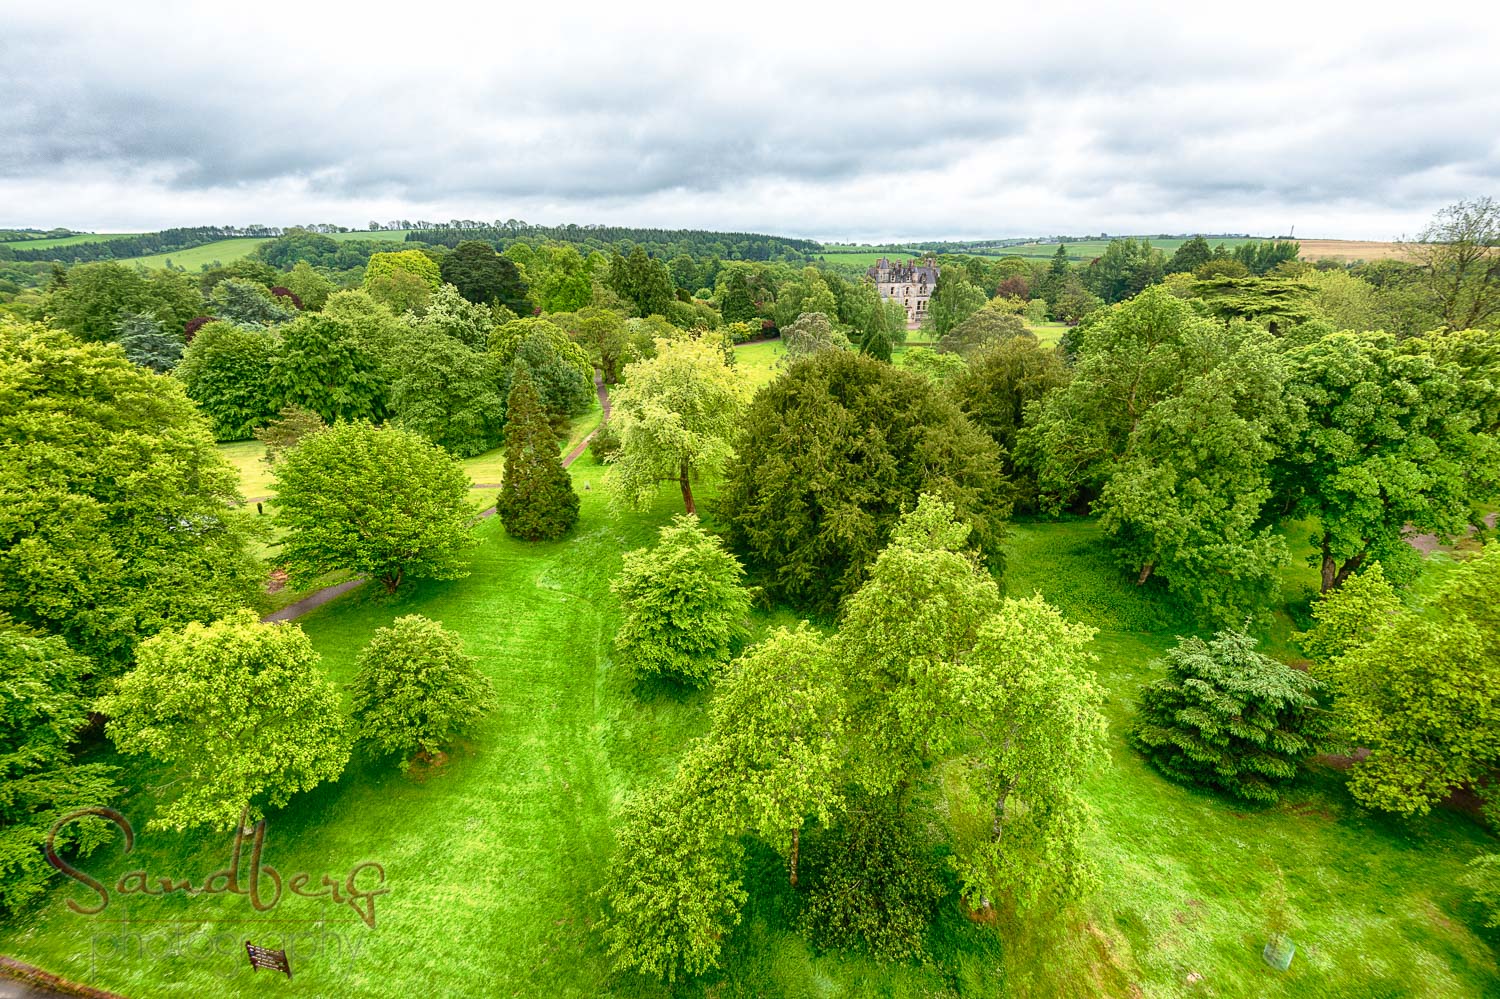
(685, 608)
(416, 691)
(605, 443)
(1229, 717)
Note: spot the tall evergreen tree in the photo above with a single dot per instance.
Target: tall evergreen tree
(537, 501)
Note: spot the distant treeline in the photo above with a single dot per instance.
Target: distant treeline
(657, 242)
(121, 247)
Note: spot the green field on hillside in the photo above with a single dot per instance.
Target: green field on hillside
(226, 251)
(56, 241)
(1091, 248)
(492, 859)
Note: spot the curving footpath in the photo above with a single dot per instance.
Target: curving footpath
(329, 593)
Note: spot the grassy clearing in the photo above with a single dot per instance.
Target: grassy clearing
(493, 859)
(227, 251)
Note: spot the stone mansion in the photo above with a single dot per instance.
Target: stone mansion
(909, 283)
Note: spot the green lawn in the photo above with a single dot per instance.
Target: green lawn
(492, 861)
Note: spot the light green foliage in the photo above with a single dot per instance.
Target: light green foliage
(775, 745)
(451, 315)
(381, 502)
(369, 323)
(988, 327)
(115, 507)
(1346, 301)
(1389, 443)
(811, 333)
(408, 261)
(951, 303)
(1227, 716)
(320, 365)
(564, 283)
(144, 341)
(41, 710)
(607, 339)
(672, 887)
(309, 285)
(537, 501)
(95, 294)
(1475, 354)
(932, 365)
(560, 368)
(227, 370)
(804, 294)
(1348, 617)
(675, 416)
(903, 636)
(1424, 695)
(685, 606)
(238, 711)
(416, 691)
(246, 303)
(1030, 711)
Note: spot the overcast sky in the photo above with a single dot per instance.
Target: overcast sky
(890, 119)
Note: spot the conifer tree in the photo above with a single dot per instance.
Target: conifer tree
(537, 501)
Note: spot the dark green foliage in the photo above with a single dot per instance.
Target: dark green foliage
(116, 516)
(144, 341)
(537, 501)
(483, 276)
(246, 303)
(1229, 717)
(447, 392)
(560, 369)
(323, 367)
(227, 370)
(994, 391)
(384, 502)
(1262, 255)
(1190, 256)
(737, 305)
(95, 295)
(831, 454)
(876, 343)
(643, 282)
(416, 691)
(41, 710)
(685, 608)
(872, 884)
(1276, 303)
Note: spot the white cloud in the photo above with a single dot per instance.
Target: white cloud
(865, 121)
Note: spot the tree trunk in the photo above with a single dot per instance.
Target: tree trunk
(796, 842)
(1146, 571)
(1333, 574)
(391, 581)
(687, 491)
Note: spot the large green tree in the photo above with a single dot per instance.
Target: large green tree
(116, 509)
(685, 606)
(560, 368)
(1422, 693)
(92, 297)
(537, 501)
(1459, 253)
(42, 709)
(953, 301)
(238, 711)
(675, 418)
(227, 371)
(829, 456)
(484, 277)
(995, 390)
(384, 502)
(642, 281)
(988, 327)
(321, 366)
(1390, 443)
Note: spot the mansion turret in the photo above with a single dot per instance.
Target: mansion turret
(909, 283)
